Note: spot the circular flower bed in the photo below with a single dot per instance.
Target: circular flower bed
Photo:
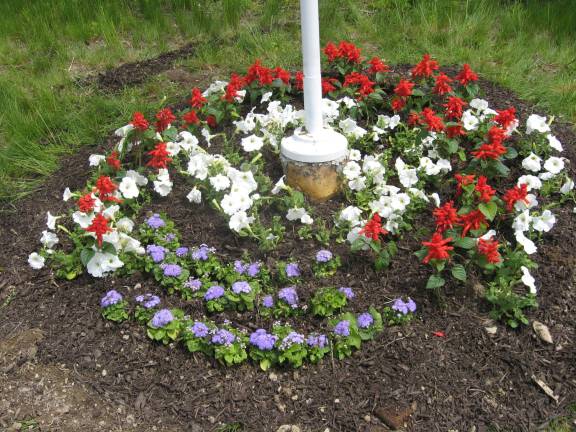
(430, 163)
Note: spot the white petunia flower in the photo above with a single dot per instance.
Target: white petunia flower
(96, 159)
(349, 102)
(536, 123)
(240, 221)
(522, 221)
(544, 222)
(266, 97)
(36, 261)
(354, 155)
(532, 163)
(383, 207)
(138, 178)
(358, 184)
(111, 211)
(554, 164)
(349, 127)
(194, 196)
(408, 177)
(51, 220)
(128, 188)
(125, 225)
(469, 121)
(351, 170)
(67, 194)
(189, 142)
(554, 142)
(532, 182)
(162, 184)
(351, 215)
(567, 186)
(220, 182)
(488, 235)
(295, 213)
(354, 235)
(528, 279)
(102, 263)
(436, 199)
(123, 131)
(479, 104)
(527, 244)
(252, 143)
(307, 219)
(530, 202)
(279, 186)
(49, 239)
(207, 136)
(83, 219)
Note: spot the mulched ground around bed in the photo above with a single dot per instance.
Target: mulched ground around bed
(468, 379)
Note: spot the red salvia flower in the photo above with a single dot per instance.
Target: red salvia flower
(404, 88)
(398, 103)
(496, 134)
(99, 227)
(373, 228)
(327, 85)
(139, 121)
(105, 187)
(454, 107)
(446, 217)
(455, 131)
(425, 68)
(299, 80)
(489, 248)
(466, 75)
(484, 189)
(377, 66)
(113, 161)
(163, 119)
(463, 180)
(505, 117)
(442, 85)
(355, 78)
(86, 203)
(350, 51)
(197, 100)
(517, 193)
(332, 52)
(472, 221)
(211, 120)
(282, 75)
(490, 151)
(191, 118)
(434, 123)
(438, 248)
(235, 84)
(413, 119)
(160, 157)
(260, 73)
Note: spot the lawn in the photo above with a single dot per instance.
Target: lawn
(49, 109)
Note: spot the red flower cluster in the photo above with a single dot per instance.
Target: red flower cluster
(438, 248)
(446, 217)
(86, 203)
(139, 121)
(454, 107)
(472, 221)
(466, 75)
(235, 84)
(105, 188)
(163, 119)
(211, 121)
(512, 196)
(484, 189)
(442, 85)
(299, 80)
(282, 75)
(344, 50)
(373, 228)
(398, 103)
(494, 148)
(113, 161)
(404, 88)
(455, 131)
(160, 157)
(505, 117)
(258, 72)
(432, 121)
(191, 118)
(463, 180)
(489, 248)
(377, 66)
(99, 227)
(197, 100)
(358, 79)
(327, 85)
(425, 68)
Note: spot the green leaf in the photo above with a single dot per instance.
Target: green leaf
(421, 253)
(435, 281)
(86, 255)
(488, 209)
(459, 272)
(465, 242)
(511, 154)
(417, 92)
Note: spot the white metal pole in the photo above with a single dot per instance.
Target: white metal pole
(312, 69)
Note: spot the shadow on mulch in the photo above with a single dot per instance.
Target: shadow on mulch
(468, 379)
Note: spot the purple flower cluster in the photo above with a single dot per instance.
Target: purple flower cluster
(291, 338)
(289, 295)
(182, 251)
(193, 284)
(155, 221)
(156, 252)
(317, 341)
(202, 252)
(161, 318)
(342, 328)
(241, 287)
(171, 270)
(214, 292)
(347, 292)
(111, 298)
(292, 270)
(223, 337)
(365, 320)
(262, 340)
(268, 301)
(199, 329)
(323, 256)
(404, 307)
(148, 301)
(170, 237)
(251, 269)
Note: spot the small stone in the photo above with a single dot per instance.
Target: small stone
(104, 373)
(288, 428)
(336, 401)
(367, 418)
(395, 417)
(542, 331)
(295, 397)
(491, 330)
(273, 377)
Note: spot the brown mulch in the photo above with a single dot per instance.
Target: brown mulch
(469, 378)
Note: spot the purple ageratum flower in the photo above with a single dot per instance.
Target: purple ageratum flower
(411, 305)
(170, 237)
(347, 292)
(239, 267)
(268, 301)
(193, 284)
(262, 340)
(214, 292)
(241, 287)
(172, 270)
(342, 328)
(253, 269)
(199, 329)
(292, 270)
(162, 317)
(223, 337)
(365, 320)
(403, 307)
(291, 338)
(182, 251)
(111, 298)
(289, 295)
(155, 221)
(323, 256)
(317, 341)
(148, 301)
(156, 252)
(201, 253)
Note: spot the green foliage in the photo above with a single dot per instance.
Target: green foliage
(116, 312)
(327, 301)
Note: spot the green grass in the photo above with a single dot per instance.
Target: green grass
(529, 46)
